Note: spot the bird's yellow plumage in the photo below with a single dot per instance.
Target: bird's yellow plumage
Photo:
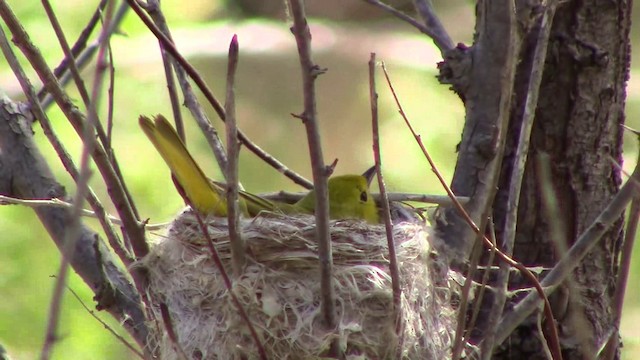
(204, 195)
(349, 196)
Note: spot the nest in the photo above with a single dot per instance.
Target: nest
(280, 291)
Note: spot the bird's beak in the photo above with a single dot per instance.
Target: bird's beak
(369, 174)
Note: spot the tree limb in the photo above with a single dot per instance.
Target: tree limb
(25, 174)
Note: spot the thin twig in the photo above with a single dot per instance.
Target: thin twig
(388, 225)
(191, 101)
(64, 76)
(578, 251)
(168, 326)
(515, 184)
(228, 284)
(63, 204)
(106, 326)
(153, 9)
(85, 212)
(110, 107)
(502, 256)
(206, 126)
(292, 197)
(233, 151)
(79, 46)
(461, 319)
(613, 343)
(485, 280)
(559, 238)
(310, 71)
(82, 188)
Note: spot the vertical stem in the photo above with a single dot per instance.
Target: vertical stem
(233, 148)
(384, 200)
(310, 71)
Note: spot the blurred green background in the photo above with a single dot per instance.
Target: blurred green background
(268, 91)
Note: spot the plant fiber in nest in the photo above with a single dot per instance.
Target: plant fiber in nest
(280, 291)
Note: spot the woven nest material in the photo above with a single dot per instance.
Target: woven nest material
(280, 290)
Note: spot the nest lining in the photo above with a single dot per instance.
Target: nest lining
(280, 290)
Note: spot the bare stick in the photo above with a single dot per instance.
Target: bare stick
(292, 197)
(153, 9)
(623, 276)
(79, 46)
(461, 318)
(568, 299)
(55, 202)
(168, 326)
(206, 127)
(228, 284)
(233, 150)
(82, 185)
(393, 260)
(310, 71)
(106, 326)
(110, 105)
(483, 286)
(517, 174)
(191, 101)
(85, 56)
(502, 256)
(578, 251)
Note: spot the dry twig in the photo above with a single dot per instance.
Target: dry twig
(388, 225)
(310, 71)
(233, 151)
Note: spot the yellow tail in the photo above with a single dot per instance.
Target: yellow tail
(202, 194)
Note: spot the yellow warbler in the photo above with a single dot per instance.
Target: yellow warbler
(349, 196)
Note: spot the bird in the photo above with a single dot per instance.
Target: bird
(349, 196)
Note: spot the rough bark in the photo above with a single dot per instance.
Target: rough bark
(578, 124)
(24, 174)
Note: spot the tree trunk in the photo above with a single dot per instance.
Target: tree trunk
(578, 125)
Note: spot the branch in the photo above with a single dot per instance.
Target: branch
(25, 174)
(572, 258)
(386, 213)
(292, 197)
(233, 150)
(433, 29)
(436, 30)
(310, 71)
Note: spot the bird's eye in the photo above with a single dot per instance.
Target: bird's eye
(363, 196)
